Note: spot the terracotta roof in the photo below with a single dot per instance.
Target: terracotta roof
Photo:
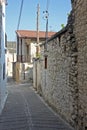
(32, 34)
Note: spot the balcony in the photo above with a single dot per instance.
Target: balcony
(23, 58)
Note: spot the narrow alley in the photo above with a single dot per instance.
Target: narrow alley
(25, 110)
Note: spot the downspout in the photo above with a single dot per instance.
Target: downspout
(21, 51)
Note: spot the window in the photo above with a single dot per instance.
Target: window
(3, 71)
(45, 62)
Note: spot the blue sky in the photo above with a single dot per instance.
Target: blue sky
(58, 10)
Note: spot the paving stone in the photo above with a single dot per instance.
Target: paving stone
(25, 110)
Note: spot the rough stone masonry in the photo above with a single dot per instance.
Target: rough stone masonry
(63, 83)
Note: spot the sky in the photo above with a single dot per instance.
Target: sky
(58, 10)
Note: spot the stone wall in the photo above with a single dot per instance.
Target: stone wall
(59, 80)
(80, 31)
(64, 81)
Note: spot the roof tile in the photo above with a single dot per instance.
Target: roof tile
(33, 34)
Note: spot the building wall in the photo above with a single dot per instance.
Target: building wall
(10, 59)
(64, 81)
(3, 91)
(59, 79)
(23, 72)
(80, 30)
(30, 54)
(33, 51)
(37, 75)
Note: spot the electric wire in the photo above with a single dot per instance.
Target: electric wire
(47, 5)
(21, 8)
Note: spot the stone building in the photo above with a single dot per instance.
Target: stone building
(27, 42)
(26, 51)
(3, 91)
(63, 68)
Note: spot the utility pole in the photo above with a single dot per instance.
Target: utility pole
(46, 29)
(46, 14)
(38, 14)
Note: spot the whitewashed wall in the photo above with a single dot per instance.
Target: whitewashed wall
(10, 59)
(3, 91)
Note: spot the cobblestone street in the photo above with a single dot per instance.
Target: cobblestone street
(25, 110)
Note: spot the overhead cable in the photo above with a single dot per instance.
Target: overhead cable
(21, 8)
(47, 6)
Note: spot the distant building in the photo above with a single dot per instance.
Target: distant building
(26, 51)
(3, 91)
(27, 42)
(11, 46)
(11, 57)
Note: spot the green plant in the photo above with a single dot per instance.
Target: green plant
(62, 25)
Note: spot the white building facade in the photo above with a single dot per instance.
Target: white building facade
(3, 91)
(27, 50)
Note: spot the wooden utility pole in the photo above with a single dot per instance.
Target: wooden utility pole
(46, 14)
(38, 14)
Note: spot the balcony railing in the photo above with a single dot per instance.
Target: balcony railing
(23, 58)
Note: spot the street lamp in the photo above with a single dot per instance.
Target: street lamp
(46, 14)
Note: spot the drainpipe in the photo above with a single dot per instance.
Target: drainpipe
(21, 50)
